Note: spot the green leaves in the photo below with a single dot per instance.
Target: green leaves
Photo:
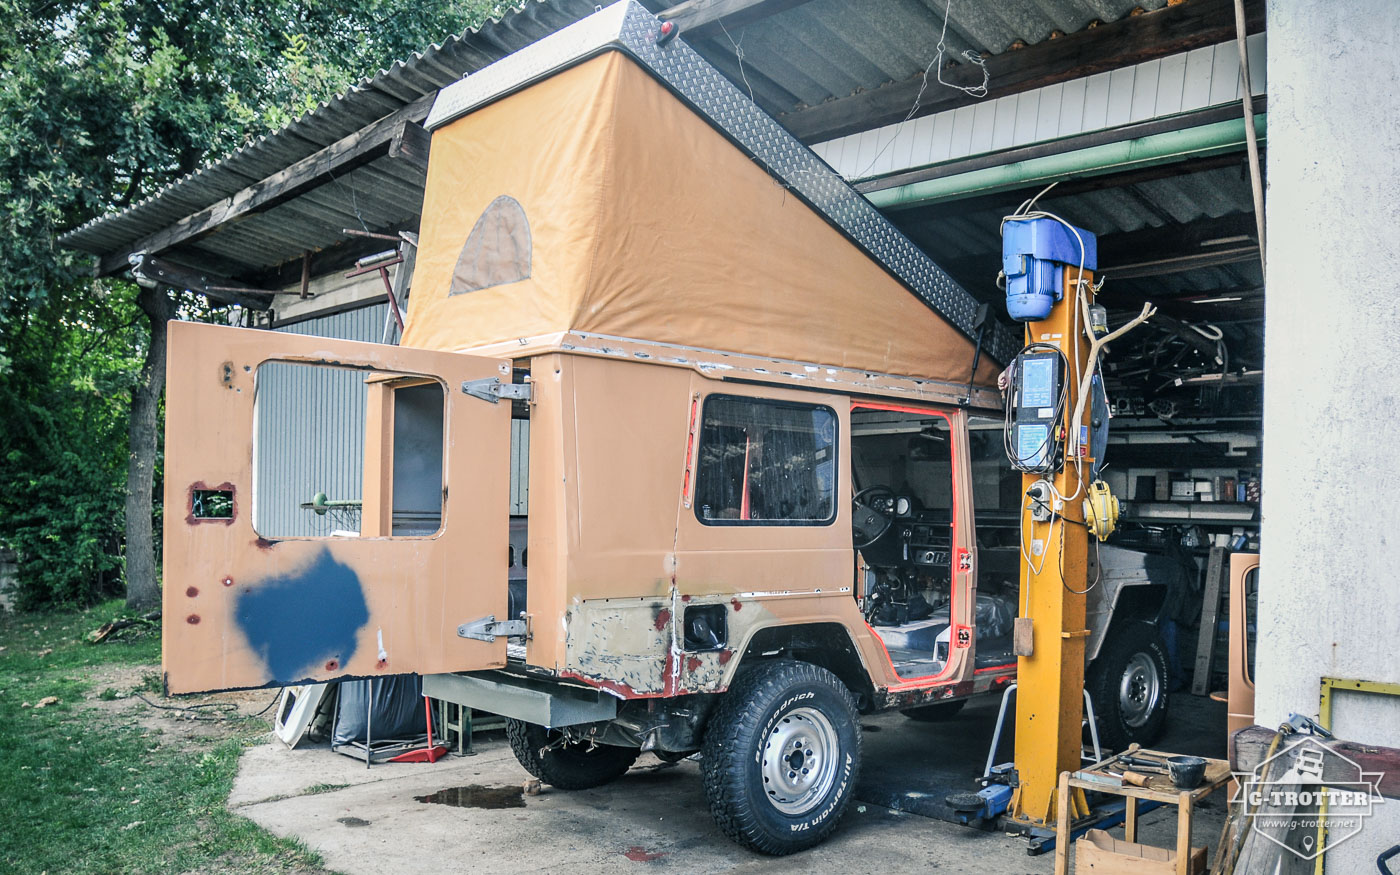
(102, 103)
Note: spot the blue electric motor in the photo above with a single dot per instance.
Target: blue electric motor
(1034, 254)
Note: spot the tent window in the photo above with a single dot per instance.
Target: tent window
(497, 250)
(766, 463)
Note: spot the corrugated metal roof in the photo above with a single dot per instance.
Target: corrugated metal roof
(805, 55)
(959, 238)
(834, 48)
(376, 96)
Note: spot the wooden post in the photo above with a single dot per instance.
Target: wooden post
(1062, 826)
(1210, 618)
(1183, 834)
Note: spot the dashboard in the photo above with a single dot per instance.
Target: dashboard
(917, 536)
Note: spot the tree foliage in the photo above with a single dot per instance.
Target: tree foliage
(103, 102)
(64, 454)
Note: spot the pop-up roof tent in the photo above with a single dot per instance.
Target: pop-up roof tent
(628, 189)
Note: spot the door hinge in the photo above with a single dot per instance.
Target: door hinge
(489, 628)
(493, 390)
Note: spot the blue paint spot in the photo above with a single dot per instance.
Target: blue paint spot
(299, 622)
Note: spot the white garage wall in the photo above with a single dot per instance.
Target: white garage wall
(1330, 593)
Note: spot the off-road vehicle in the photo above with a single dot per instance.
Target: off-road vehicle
(761, 497)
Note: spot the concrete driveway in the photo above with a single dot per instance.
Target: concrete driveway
(372, 822)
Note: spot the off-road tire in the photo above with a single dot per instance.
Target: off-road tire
(571, 766)
(935, 713)
(1105, 679)
(764, 704)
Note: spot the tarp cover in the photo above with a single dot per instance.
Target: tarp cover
(397, 705)
(597, 201)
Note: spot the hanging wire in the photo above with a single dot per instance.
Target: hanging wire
(978, 91)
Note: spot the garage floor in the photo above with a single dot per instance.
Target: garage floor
(370, 821)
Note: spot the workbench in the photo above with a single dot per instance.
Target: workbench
(1159, 788)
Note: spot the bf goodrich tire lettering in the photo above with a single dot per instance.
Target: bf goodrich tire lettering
(782, 757)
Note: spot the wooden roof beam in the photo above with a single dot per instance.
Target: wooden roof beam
(1132, 40)
(346, 154)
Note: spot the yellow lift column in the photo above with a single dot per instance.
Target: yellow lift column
(1050, 681)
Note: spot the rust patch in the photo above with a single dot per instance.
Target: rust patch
(663, 617)
(692, 663)
(725, 656)
(381, 664)
(228, 580)
(192, 619)
(615, 687)
(332, 665)
(738, 605)
(685, 598)
(263, 543)
(639, 854)
(192, 591)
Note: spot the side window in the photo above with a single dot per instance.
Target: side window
(766, 463)
(310, 462)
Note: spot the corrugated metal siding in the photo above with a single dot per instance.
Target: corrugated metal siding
(519, 467)
(309, 436)
(1193, 80)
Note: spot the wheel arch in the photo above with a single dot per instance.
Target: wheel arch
(1131, 602)
(828, 645)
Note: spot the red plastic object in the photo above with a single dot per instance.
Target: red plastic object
(429, 754)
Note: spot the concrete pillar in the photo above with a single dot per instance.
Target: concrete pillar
(1329, 599)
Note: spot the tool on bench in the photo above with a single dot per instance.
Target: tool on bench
(1114, 779)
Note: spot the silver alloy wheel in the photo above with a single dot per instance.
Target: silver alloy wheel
(1139, 690)
(799, 761)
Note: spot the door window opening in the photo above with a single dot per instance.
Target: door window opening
(346, 453)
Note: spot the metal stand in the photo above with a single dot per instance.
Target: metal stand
(1001, 721)
(459, 723)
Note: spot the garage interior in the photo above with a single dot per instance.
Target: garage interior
(1128, 118)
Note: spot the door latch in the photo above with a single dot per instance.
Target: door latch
(493, 390)
(489, 628)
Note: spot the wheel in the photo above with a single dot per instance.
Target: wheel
(1128, 683)
(572, 766)
(935, 713)
(781, 757)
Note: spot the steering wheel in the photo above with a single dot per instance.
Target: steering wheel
(868, 525)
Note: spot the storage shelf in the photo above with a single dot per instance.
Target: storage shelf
(1221, 512)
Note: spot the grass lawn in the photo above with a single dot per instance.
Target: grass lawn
(101, 782)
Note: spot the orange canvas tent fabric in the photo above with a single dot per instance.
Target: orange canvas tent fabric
(597, 201)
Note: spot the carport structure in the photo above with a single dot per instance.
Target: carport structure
(1132, 109)
(1137, 111)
